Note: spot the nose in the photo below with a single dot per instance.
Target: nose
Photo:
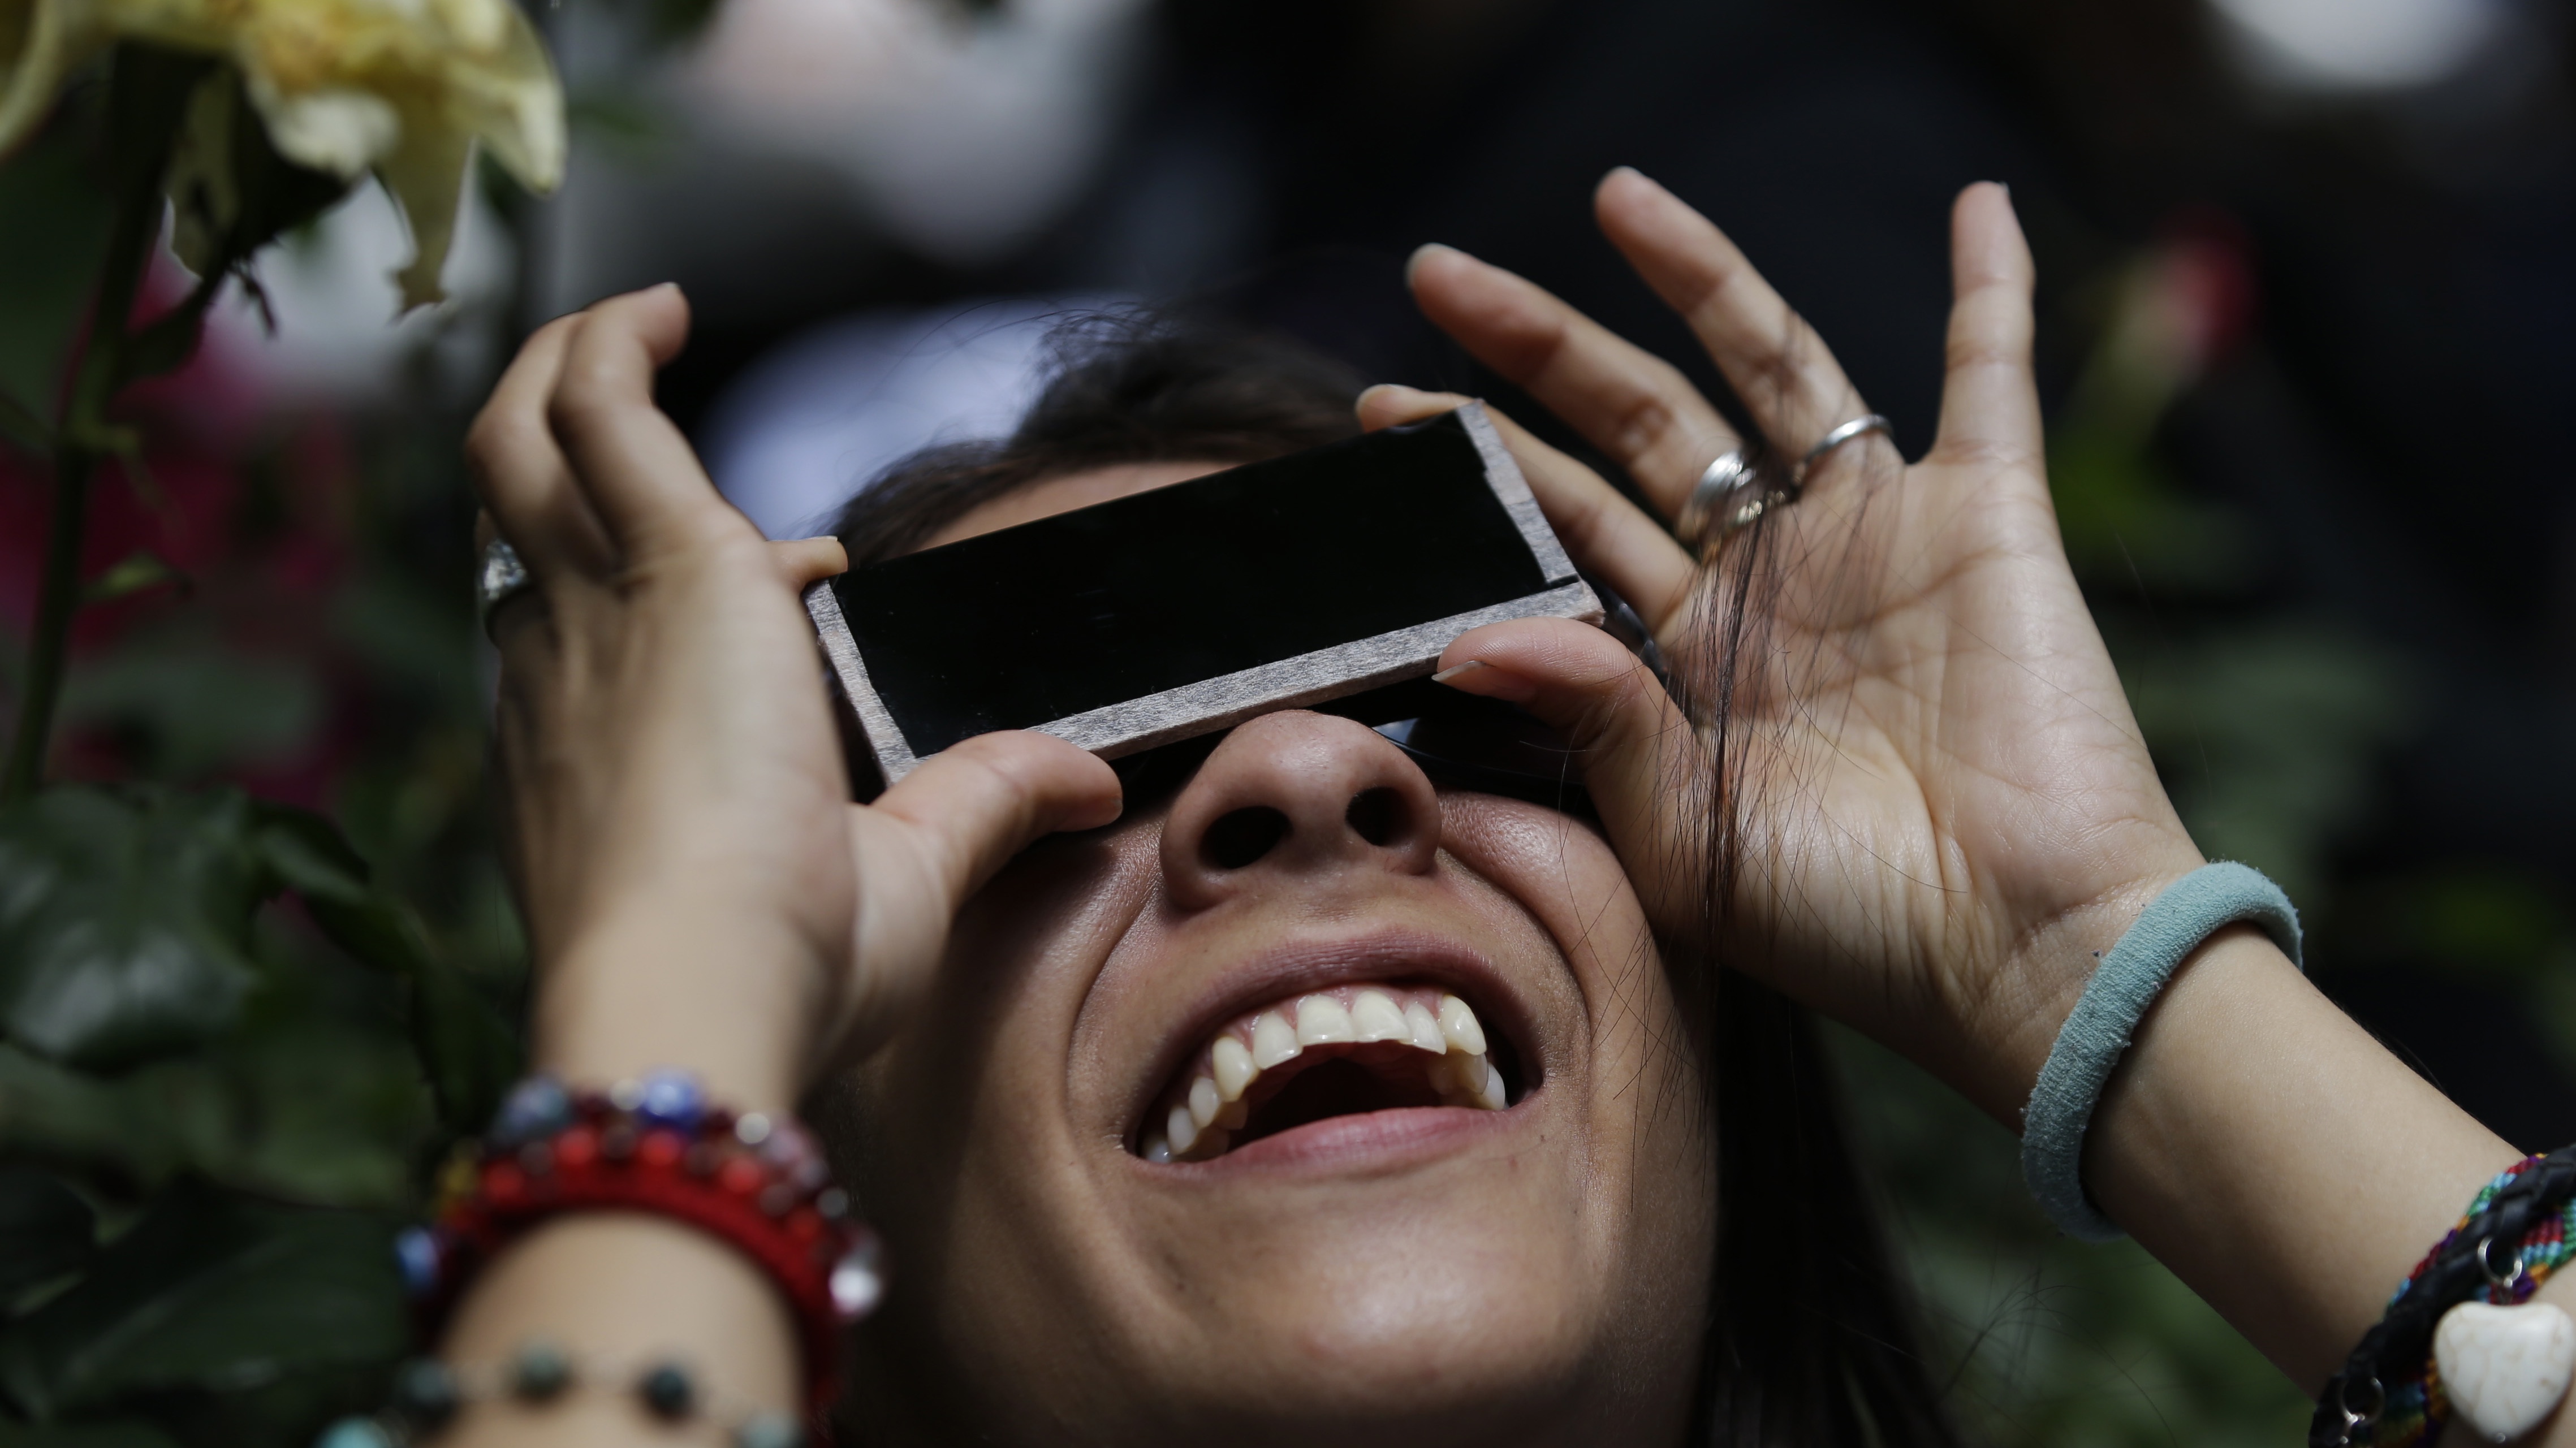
(1297, 793)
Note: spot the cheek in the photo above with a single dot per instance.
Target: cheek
(955, 1131)
(1649, 1111)
(1562, 877)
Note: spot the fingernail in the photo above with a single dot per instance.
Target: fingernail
(1413, 263)
(1475, 676)
(1390, 397)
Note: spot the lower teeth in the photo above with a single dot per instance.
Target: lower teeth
(1460, 1080)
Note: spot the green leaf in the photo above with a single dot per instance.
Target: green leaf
(302, 1087)
(212, 1291)
(314, 1108)
(111, 1126)
(188, 702)
(306, 1108)
(231, 193)
(124, 922)
(289, 1413)
(130, 575)
(308, 855)
(46, 1230)
(470, 1052)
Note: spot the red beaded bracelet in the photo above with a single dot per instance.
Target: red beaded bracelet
(654, 1145)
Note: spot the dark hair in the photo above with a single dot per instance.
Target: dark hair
(1812, 1338)
(1128, 388)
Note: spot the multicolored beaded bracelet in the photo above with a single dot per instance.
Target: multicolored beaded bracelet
(2390, 1392)
(428, 1395)
(753, 1180)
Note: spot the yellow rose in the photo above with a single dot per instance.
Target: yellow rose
(404, 88)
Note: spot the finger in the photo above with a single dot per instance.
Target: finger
(1631, 404)
(1392, 404)
(1640, 758)
(1989, 399)
(974, 805)
(1783, 372)
(630, 459)
(1605, 533)
(931, 842)
(521, 474)
(804, 561)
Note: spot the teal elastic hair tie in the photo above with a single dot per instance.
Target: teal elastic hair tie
(2127, 981)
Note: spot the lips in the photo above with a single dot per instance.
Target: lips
(1351, 1048)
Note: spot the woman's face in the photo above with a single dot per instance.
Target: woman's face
(1375, 1255)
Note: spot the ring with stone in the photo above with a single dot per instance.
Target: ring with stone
(1730, 494)
(502, 578)
(1861, 426)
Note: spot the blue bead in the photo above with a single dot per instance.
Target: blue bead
(668, 1392)
(417, 1250)
(537, 1107)
(769, 1430)
(539, 1371)
(672, 1099)
(426, 1393)
(355, 1433)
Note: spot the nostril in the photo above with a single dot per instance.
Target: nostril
(1377, 815)
(1242, 836)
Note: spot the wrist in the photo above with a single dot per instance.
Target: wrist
(624, 1286)
(2224, 1142)
(2031, 988)
(738, 1009)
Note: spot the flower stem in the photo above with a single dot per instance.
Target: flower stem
(144, 119)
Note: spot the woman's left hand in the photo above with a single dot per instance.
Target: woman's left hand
(1942, 800)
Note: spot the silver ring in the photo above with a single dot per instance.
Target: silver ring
(502, 578)
(1860, 426)
(1729, 474)
(1732, 491)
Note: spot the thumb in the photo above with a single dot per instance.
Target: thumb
(803, 561)
(929, 843)
(1641, 761)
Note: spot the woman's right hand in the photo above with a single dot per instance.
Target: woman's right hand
(1942, 800)
(698, 890)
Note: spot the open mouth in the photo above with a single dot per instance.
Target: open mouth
(1322, 1054)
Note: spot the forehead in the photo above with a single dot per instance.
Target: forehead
(1068, 491)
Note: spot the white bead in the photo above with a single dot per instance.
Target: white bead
(858, 1279)
(2505, 1368)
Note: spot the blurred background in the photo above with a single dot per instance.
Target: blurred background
(2308, 314)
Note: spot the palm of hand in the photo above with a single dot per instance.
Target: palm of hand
(1937, 795)
(1958, 773)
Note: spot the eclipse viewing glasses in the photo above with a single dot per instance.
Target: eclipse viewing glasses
(1331, 578)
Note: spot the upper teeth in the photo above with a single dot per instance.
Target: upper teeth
(1201, 1117)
